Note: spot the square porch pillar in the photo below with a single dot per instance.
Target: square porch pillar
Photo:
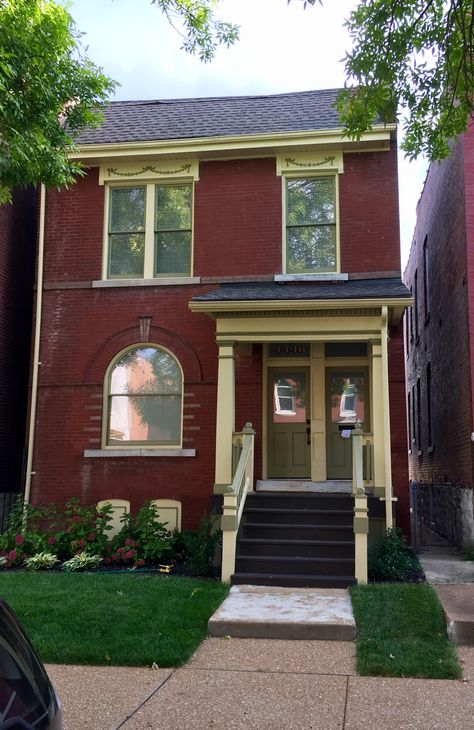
(225, 415)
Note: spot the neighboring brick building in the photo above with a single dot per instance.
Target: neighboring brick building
(246, 221)
(17, 258)
(439, 342)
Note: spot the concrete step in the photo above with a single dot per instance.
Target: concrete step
(457, 600)
(260, 612)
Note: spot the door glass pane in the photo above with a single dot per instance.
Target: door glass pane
(289, 398)
(347, 397)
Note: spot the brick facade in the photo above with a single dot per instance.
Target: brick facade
(439, 342)
(237, 234)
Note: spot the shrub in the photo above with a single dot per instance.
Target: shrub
(76, 529)
(41, 561)
(22, 536)
(392, 559)
(198, 549)
(82, 561)
(141, 540)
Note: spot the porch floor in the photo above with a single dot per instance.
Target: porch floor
(331, 486)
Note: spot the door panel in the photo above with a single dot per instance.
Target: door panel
(289, 450)
(346, 404)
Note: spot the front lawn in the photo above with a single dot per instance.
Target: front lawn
(123, 619)
(401, 632)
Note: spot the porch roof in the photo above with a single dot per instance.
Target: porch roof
(352, 289)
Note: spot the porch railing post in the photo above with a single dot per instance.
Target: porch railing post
(361, 519)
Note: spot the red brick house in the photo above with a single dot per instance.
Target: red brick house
(439, 342)
(223, 261)
(17, 257)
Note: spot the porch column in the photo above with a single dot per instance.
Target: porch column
(386, 415)
(225, 415)
(378, 420)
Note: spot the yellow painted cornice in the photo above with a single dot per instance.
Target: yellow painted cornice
(274, 306)
(376, 139)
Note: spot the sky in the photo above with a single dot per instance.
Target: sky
(282, 48)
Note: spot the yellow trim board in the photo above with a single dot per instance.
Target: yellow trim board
(378, 136)
(274, 306)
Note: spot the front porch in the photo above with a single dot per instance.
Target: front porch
(324, 373)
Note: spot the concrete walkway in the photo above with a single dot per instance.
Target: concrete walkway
(453, 580)
(245, 684)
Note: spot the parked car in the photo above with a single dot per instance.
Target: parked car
(27, 697)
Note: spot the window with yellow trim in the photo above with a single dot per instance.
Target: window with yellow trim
(149, 232)
(144, 398)
(311, 225)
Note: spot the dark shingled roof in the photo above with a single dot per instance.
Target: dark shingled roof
(352, 289)
(141, 121)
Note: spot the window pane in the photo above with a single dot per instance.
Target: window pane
(146, 370)
(145, 418)
(126, 253)
(289, 398)
(311, 249)
(145, 398)
(172, 253)
(173, 207)
(347, 398)
(127, 210)
(311, 201)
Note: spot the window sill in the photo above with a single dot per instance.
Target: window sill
(170, 281)
(311, 277)
(114, 453)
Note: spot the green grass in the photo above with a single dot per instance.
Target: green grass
(125, 619)
(401, 632)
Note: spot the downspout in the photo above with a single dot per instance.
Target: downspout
(386, 412)
(36, 348)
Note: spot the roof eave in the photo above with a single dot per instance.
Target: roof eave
(376, 139)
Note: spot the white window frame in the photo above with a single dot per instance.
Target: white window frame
(135, 445)
(149, 254)
(307, 175)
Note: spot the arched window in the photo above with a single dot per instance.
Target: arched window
(144, 398)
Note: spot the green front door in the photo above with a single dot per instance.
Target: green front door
(289, 431)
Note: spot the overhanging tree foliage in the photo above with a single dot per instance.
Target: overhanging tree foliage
(414, 57)
(49, 91)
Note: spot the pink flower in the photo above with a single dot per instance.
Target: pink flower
(128, 541)
(12, 555)
(130, 554)
(76, 518)
(91, 536)
(51, 540)
(19, 539)
(81, 543)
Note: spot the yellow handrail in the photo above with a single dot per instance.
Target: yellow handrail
(235, 495)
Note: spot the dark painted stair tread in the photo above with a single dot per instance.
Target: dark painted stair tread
(294, 580)
(316, 543)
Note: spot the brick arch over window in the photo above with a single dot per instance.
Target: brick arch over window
(160, 337)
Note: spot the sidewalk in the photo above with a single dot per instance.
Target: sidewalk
(234, 684)
(453, 580)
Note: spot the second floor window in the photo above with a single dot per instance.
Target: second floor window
(149, 231)
(311, 235)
